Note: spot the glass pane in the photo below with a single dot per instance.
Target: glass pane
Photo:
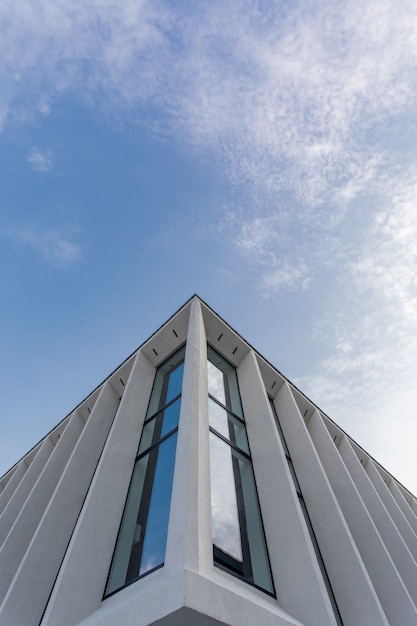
(161, 383)
(175, 383)
(256, 539)
(130, 530)
(160, 426)
(142, 538)
(216, 382)
(225, 517)
(222, 382)
(154, 544)
(228, 426)
(218, 418)
(171, 417)
(234, 402)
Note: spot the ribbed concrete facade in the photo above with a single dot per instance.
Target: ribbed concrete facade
(334, 536)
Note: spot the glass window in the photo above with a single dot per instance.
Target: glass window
(228, 425)
(224, 506)
(222, 382)
(238, 538)
(141, 543)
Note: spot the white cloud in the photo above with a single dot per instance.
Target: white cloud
(388, 266)
(255, 236)
(306, 107)
(285, 278)
(366, 381)
(55, 249)
(286, 95)
(40, 161)
(44, 107)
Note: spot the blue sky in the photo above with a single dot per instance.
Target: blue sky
(261, 155)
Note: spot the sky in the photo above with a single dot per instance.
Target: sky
(259, 154)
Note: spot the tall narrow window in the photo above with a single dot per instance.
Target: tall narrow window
(141, 542)
(238, 538)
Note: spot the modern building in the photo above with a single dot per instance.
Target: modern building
(198, 486)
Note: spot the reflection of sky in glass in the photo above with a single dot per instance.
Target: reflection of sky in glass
(218, 418)
(228, 426)
(169, 417)
(216, 382)
(175, 383)
(225, 519)
(154, 544)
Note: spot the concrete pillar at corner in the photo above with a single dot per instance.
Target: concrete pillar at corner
(354, 592)
(299, 584)
(189, 536)
(393, 595)
(87, 561)
(29, 591)
(400, 554)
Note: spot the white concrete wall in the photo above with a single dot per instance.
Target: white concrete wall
(355, 595)
(393, 595)
(18, 498)
(28, 593)
(403, 504)
(299, 584)
(392, 507)
(189, 535)
(87, 561)
(403, 560)
(62, 505)
(24, 527)
(13, 483)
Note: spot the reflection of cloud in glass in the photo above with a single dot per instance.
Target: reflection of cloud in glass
(225, 518)
(216, 382)
(227, 425)
(218, 418)
(148, 564)
(158, 515)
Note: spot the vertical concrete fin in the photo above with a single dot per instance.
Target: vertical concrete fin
(390, 535)
(24, 527)
(393, 595)
(189, 533)
(353, 589)
(392, 507)
(12, 484)
(298, 580)
(28, 593)
(16, 502)
(403, 504)
(86, 564)
(6, 478)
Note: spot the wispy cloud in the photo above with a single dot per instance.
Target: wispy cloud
(306, 108)
(281, 92)
(44, 107)
(388, 265)
(285, 277)
(53, 247)
(40, 161)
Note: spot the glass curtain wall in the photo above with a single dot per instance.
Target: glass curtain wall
(141, 543)
(238, 538)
